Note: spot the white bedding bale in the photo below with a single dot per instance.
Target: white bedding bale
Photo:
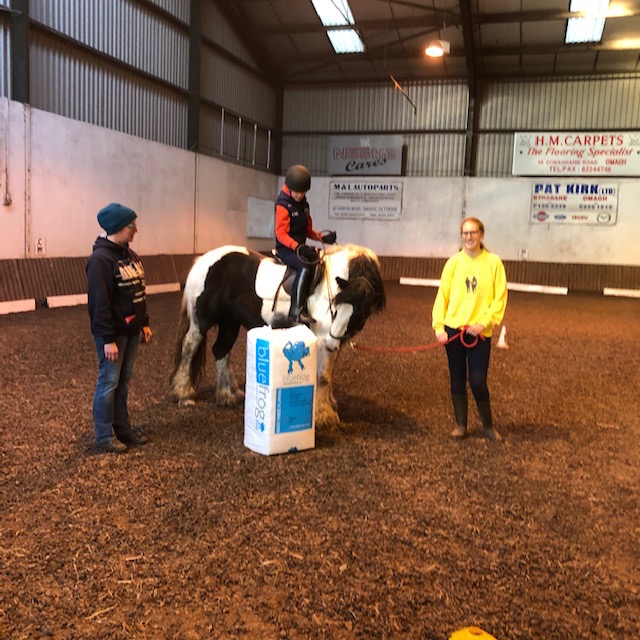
(280, 393)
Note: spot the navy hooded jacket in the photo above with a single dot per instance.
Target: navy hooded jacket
(116, 291)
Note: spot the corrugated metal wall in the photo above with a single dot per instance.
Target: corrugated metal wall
(567, 103)
(379, 108)
(237, 89)
(225, 134)
(124, 30)
(571, 103)
(124, 65)
(177, 8)
(216, 27)
(375, 108)
(494, 155)
(312, 114)
(76, 85)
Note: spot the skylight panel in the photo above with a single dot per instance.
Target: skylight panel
(346, 41)
(335, 13)
(587, 29)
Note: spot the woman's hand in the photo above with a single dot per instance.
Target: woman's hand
(442, 337)
(475, 329)
(111, 351)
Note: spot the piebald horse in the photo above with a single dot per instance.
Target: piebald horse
(231, 286)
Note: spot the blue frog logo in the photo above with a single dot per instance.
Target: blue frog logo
(295, 352)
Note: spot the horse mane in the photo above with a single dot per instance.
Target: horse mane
(366, 286)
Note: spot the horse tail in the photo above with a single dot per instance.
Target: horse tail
(198, 360)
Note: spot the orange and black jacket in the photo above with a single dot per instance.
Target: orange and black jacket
(293, 221)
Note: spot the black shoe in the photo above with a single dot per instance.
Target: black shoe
(113, 445)
(132, 437)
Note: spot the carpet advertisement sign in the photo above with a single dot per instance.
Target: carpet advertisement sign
(579, 154)
(373, 199)
(574, 202)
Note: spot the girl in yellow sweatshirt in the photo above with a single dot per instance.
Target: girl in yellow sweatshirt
(472, 298)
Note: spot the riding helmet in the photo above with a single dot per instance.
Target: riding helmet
(298, 178)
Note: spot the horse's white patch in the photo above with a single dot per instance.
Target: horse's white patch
(268, 279)
(194, 285)
(339, 326)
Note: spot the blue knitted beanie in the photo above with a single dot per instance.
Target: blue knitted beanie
(115, 216)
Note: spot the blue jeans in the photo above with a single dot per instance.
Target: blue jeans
(110, 411)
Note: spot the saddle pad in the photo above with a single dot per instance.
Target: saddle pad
(268, 278)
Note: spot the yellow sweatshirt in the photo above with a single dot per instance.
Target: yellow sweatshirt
(471, 290)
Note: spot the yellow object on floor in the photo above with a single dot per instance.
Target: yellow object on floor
(471, 633)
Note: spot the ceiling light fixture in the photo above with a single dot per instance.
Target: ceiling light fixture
(437, 48)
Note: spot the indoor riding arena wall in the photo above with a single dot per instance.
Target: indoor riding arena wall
(44, 280)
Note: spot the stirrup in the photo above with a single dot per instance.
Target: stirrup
(303, 318)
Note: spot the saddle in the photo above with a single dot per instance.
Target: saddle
(273, 275)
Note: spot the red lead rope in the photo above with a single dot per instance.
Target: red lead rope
(421, 347)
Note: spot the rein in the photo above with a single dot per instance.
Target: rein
(422, 347)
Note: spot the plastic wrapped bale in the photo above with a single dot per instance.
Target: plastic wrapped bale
(280, 393)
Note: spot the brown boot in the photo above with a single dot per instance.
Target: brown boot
(133, 437)
(460, 410)
(487, 431)
(112, 445)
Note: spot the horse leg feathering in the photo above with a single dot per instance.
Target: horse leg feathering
(326, 405)
(228, 393)
(189, 361)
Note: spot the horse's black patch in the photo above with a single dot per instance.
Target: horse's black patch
(229, 299)
(364, 291)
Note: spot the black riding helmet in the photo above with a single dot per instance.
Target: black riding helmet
(298, 178)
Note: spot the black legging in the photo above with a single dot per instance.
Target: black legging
(477, 359)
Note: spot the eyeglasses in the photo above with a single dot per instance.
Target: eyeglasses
(470, 233)
(132, 225)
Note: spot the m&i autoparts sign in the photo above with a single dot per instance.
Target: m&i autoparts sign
(574, 202)
(579, 154)
(365, 199)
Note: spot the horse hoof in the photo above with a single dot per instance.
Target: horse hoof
(188, 402)
(328, 421)
(227, 400)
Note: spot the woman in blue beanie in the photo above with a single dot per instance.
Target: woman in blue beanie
(119, 323)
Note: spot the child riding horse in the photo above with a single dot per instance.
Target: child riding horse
(231, 286)
(293, 226)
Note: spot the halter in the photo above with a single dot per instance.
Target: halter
(332, 310)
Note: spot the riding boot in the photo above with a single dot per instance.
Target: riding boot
(487, 431)
(299, 296)
(460, 409)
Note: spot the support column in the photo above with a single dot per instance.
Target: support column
(193, 108)
(20, 51)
